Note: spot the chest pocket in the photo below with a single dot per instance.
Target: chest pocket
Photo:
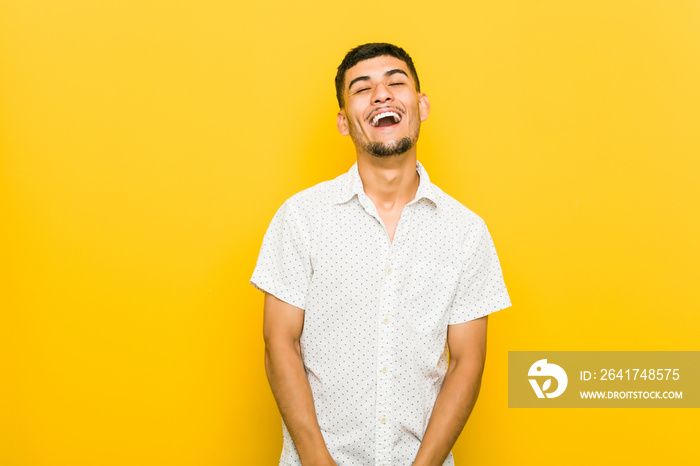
(428, 294)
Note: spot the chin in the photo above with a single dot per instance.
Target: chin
(391, 148)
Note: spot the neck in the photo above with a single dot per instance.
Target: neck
(390, 182)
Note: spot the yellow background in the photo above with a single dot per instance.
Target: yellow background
(145, 145)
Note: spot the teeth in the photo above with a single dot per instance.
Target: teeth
(378, 117)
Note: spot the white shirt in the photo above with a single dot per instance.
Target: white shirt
(376, 311)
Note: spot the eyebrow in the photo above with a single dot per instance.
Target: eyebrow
(366, 78)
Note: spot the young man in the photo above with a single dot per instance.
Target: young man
(368, 280)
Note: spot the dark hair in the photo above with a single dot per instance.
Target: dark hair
(365, 52)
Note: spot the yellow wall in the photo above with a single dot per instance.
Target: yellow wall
(145, 146)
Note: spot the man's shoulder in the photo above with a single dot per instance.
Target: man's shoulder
(318, 196)
(453, 209)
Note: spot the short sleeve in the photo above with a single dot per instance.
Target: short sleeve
(481, 289)
(283, 268)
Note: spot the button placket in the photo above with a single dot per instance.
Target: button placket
(384, 361)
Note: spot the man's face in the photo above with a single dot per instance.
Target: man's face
(383, 111)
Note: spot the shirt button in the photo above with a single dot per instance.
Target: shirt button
(384, 369)
(386, 320)
(383, 420)
(388, 271)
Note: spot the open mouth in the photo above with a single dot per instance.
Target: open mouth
(383, 119)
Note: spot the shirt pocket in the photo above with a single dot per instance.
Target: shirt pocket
(429, 292)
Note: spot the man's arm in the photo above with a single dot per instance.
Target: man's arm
(282, 326)
(467, 345)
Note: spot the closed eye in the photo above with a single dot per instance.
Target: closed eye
(362, 90)
(397, 84)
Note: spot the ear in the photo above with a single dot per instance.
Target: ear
(423, 107)
(342, 123)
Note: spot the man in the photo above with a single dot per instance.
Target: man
(369, 279)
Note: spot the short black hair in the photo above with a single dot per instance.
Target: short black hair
(365, 52)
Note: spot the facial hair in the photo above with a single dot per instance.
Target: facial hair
(385, 149)
(388, 149)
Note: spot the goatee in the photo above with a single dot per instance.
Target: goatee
(380, 149)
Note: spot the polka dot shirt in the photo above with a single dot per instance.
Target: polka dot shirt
(377, 311)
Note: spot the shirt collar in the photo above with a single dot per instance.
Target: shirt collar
(350, 184)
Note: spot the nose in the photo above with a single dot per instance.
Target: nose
(382, 94)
